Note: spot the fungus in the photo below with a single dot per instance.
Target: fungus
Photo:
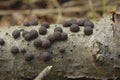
(45, 24)
(16, 34)
(64, 36)
(59, 29)
(34, 22)
(37, 43)
(88, 23)
(46, 56)
(51, 37)
(46, 44)
(26, 24)
(29, 56)
(2, 42)
(88, 31)
(33, 34)
(14, 50)
(57, 35)
(74, 28)
(42, 30)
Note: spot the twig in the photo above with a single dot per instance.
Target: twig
(40, 11)
(43, 73)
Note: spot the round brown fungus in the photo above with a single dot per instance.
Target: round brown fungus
(14, 50)
(66, 24)
(74, 28)
(26, 24)
(59, 29)
(29, 56)
(64, 36)
(34, 22)
(61, 49)
(89, 23)
(24, 32)
(16, 34)
(46, 44)
(33, 34)
(2, 42)
(23, 50)
(46, 56)
(51, 38)
(27, 37)
(42, 30)
(45, 24)
(88, 31)
(37, 43)
(57, 36)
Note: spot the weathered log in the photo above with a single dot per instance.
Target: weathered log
(94, 57)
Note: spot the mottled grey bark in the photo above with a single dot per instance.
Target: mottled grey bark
(96, 56)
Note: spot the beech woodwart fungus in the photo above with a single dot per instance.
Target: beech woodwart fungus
(42, 30)
(46, 56)
(33, 34)
(14, 50)
(74, 28)
(29, 56)
(64, 36)
(81, 22)
(24, 32)
(26, 24)
(45, 24)
(46, 44)
(16, 34)
(51, 38)
(27, 37)
(89, 23)
(88, 31)
(61, 49)
(73, 21)
(37, 43)
(34, 22)
(23, 50)
(2, 42)
(57, 36)
(59, 29)
(66, 24)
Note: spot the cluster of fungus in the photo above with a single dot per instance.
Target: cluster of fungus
(75, 26)
(57, 35)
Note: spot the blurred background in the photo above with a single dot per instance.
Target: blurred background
(16, 12)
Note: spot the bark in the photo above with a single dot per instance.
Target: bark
(93, 57)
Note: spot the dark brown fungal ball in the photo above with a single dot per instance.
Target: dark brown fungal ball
(14, 50)
(74, 28)
(67, 24)
(45, 24)
(2, 42)
(81, 22)
(64, 36)
(51, 38)
(46, 44)
(26, 24)
(23, 50)
(34, 22)
(59, 29)
(73, 21)
(16, 34)
(27, 37)
(46, 56)
(57, 36)
(33, 34)
(42, 30)
(88, 31)
(29, 56)
(61, 49)
(24, 32)
(37, 43)
(88, 23)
